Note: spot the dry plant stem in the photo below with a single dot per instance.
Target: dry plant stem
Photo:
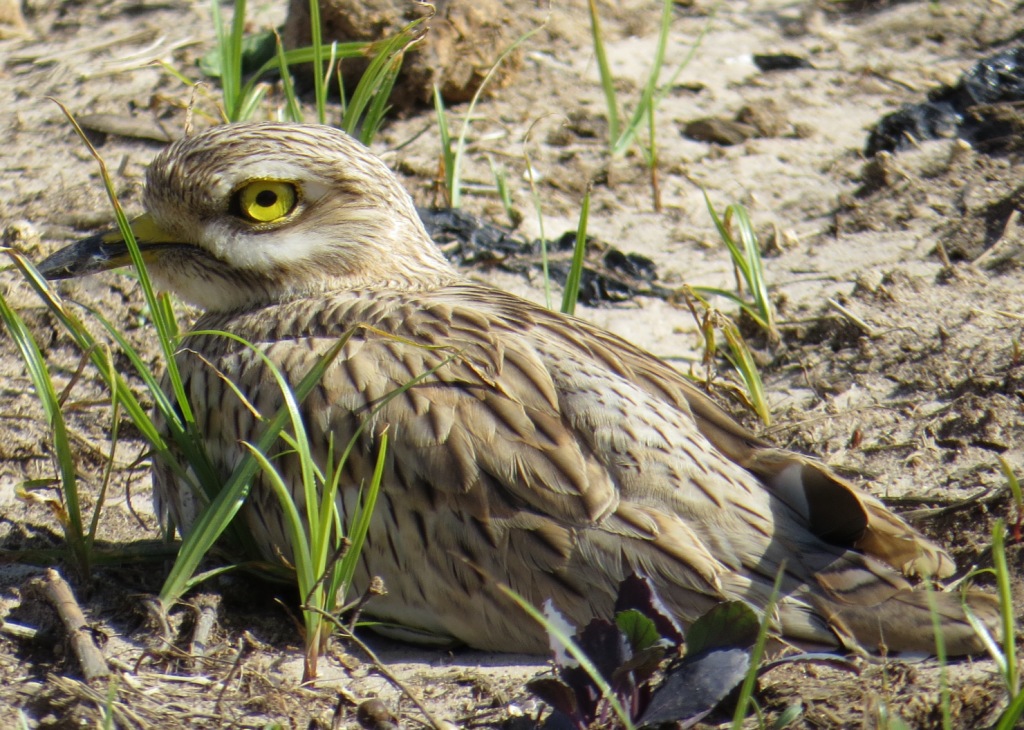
(983, 498)
(854, 319)
(59, 594)
(206, 607)
(376, 588)
(243, 649)
(156, 612)
(339, 553)
(122, 715)
(25, 633)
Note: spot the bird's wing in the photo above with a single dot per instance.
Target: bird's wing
(510, 433)
(834, 509)
(565, 448)
(523, 411)
(513, 430)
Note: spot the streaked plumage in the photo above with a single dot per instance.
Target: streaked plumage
(542, 451)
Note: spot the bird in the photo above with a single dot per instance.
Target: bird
(532, 449)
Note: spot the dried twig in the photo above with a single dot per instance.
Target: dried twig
(853, 319)
(206, 607)
(244, 646)
(57, 591)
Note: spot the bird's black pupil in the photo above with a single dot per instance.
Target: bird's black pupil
(266, 198)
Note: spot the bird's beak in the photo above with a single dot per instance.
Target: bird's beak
(105, 251)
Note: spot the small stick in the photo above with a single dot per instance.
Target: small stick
(57, 591)
(206, 607)
(18, 631)
(854, 319)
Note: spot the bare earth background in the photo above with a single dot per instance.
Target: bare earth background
(918, 407)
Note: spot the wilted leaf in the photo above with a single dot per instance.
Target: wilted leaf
(729, 624)
(695, 687)
(643, 665)
(556, 693)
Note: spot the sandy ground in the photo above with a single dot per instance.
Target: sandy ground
(916, 394)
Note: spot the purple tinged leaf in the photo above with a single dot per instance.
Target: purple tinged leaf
(695, 687)
(605, 646)
(556, 693)
(554, 617)
(636, 592)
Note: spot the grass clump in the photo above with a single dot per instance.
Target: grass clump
(622, 135)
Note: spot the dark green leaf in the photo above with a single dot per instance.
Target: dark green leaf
(640, 631)
(729, 624)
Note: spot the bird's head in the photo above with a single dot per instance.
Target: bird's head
(247, 214)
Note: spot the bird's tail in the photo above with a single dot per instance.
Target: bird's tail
(906, 621)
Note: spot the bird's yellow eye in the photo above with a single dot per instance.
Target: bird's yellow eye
(265, 201)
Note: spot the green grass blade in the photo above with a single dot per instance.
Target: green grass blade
(504, 191)
(652, 94)
(452, 170)
(742, 359)
(746, 259)
(108, 468)
(225, 505)
(35, 363)
(750, 681)
(572, 281)
(359, 525)
(293, 110)
(250, 103)
(229, 43)
(298, 56)
(166, 327)
(647, 102)
(940, 655)
(375, 85)
(738, 259)
(604, 69)
(229, 91)
(1006, 611)
(755, 268)
(535, 195)
(379, 106)
(317, 44)
(1010, 719)
(748, 308)
(455, 191)
(86, 343)
(293, 520)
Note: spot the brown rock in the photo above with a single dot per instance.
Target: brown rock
(464, 39)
